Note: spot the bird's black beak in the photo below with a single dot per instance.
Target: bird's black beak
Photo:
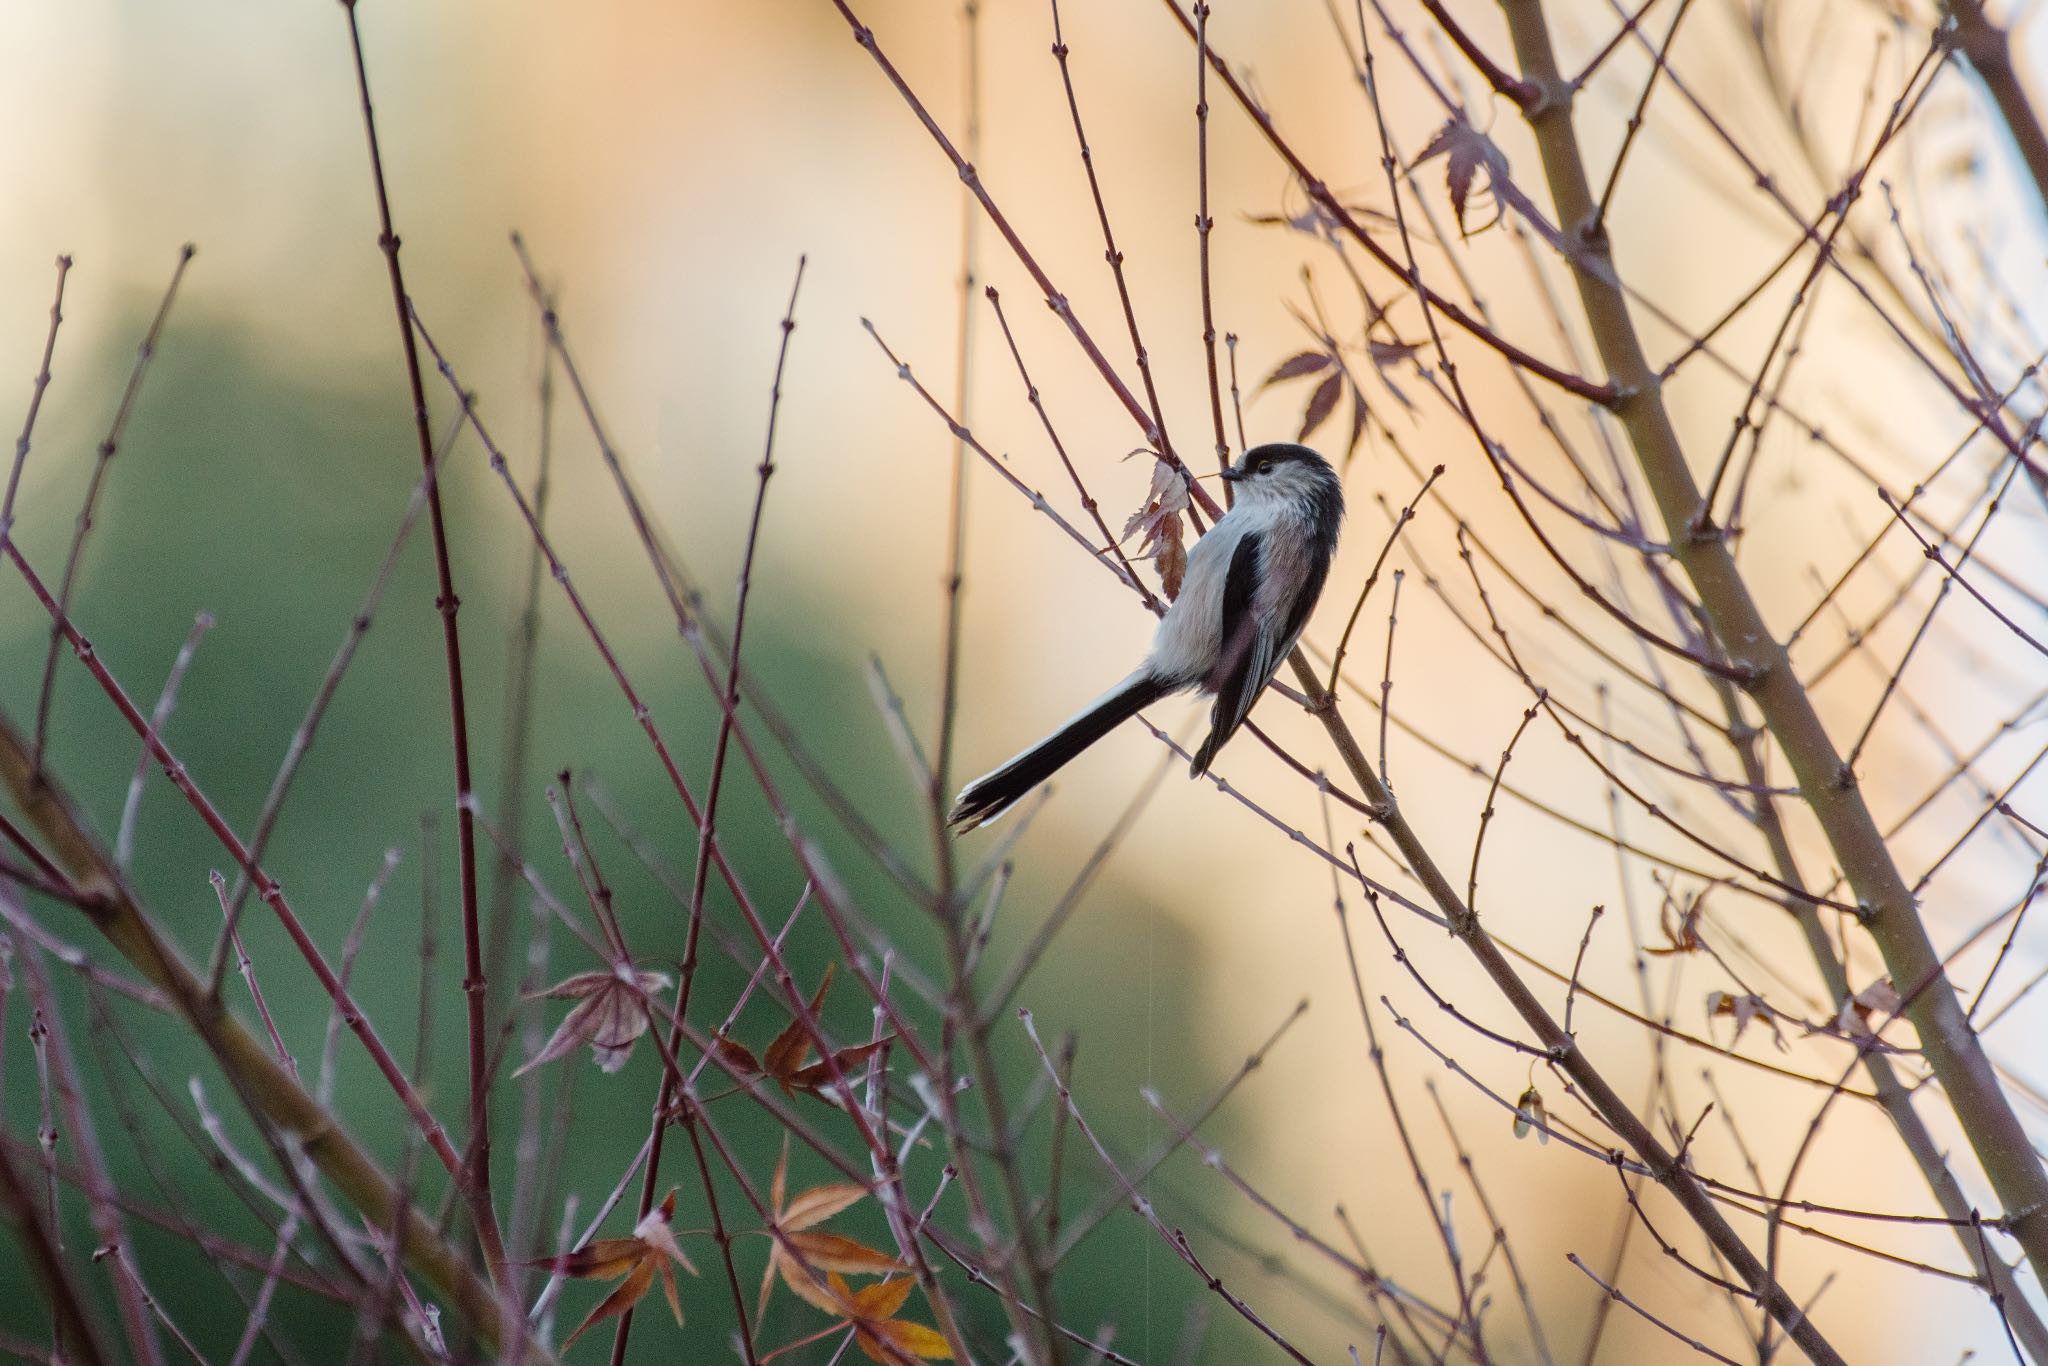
(1232, 475)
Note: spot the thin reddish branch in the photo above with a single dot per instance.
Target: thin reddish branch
(73, 1326)
(474, 1175)
(707, 825)
(35, 405)
(102, 462)
(267, 887)
(1054, 299)
(1326, 199)
(96, 1180)
(1110, 253)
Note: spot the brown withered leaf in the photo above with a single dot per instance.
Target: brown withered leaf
(881, 1336)
(820, 1078)
(1743, 1009)
(786, 1050)
(799, 1253)
(738, 1054)
(1158, 522)
(786, 1059)
(1466, 152)
(1683, 934)
(1358, 415)
(1464, 149)
(1295, 366)
(1321, 404)
(1385, 355)
(650, 1252)
(610, 1014)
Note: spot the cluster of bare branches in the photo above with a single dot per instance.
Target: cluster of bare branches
(1708, 658)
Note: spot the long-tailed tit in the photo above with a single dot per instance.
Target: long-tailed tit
(1249, 588)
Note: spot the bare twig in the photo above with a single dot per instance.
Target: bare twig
(102, 462)
(474, 1174)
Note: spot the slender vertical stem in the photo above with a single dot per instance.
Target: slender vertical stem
(521, 681)
(474, 1176)
(723, 1237)
(962, 1009)
(522, 684)
(159, 716)
(72, 1323)
(103, 461)
(1203, 224)
(35, 405)
(1062, 53)
(707, 824)
(66, 1083)
(956, 493)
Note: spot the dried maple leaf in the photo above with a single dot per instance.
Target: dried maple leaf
(1358, 415)
(1385, 355)
(880, 1335)
(799, 1253)
(609, 1014)
(1297, 365)
(650, 1252)
(1321, 404)
(787, 1050)
(785, 1060)
(1743, 1009)
(1158, 522)
(1464, 149)
(1467, 151)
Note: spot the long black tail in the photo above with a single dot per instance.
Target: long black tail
(988, 796)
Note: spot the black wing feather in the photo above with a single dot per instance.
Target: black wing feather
(1234, 683)
(1305, 601)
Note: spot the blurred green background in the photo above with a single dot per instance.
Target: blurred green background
(270, 503)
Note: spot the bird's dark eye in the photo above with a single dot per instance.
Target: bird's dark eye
(1265, 467)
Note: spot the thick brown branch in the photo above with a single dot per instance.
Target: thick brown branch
(1988, 49)
(1564, 1050)
(266, 1083)
(1830, 787)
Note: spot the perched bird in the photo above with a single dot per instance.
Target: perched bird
(1250, 585)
